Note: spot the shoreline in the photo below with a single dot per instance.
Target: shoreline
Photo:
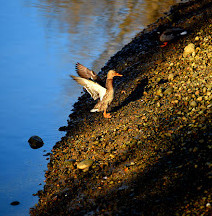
(153, 156)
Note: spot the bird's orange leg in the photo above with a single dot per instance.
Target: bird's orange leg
(164, 44)
(106, 115)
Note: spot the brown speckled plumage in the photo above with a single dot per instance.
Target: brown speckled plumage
(108, 97)
(86, 73)
(97, 91)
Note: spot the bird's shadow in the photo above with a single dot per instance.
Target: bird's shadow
(136, 94)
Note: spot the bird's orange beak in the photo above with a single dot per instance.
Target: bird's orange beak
(117, 74)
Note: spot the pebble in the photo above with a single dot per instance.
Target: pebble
(171, 77)
(159, 92)
(208, 205)
(199, 99)
(196, 38)
(195, 149)
(190, 49)
(85, 164)
(168, 91)
(193, 103)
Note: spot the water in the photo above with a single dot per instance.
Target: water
(40, 43)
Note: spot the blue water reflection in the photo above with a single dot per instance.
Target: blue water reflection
(32, 102)
(40, 43)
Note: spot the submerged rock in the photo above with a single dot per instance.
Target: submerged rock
(15, 203)
(35, 142)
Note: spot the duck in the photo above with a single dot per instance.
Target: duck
(97, 91)
(86, 73)
(171, 34)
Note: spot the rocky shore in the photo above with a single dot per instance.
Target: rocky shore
(153, 157)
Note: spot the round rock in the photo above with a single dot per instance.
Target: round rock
(190, 49)
(169, 91)
(171, 77)
(85, 164)
(159, 92)
(35, 142)
(193, 103)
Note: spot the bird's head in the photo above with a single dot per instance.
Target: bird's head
(112, 74)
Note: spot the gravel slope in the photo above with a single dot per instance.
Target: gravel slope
(154, 156)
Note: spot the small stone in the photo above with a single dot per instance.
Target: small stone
(171, 77)
(159, 92)
(209, 106)
(197, 92)
(208, 205)
(168, 91)
(157, 97)
(193, 103)
(204, 90)
(85, 164)
(195, 149)
(190, 49)
(199, 99)
(196, 38)
(70, 162)
(35, 142)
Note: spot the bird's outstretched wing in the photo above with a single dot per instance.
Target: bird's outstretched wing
(94, 89)
(84, 72)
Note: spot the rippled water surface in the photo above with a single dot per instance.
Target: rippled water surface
(40, 43)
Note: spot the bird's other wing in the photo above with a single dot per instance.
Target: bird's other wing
(94, 89)
(84, 72)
